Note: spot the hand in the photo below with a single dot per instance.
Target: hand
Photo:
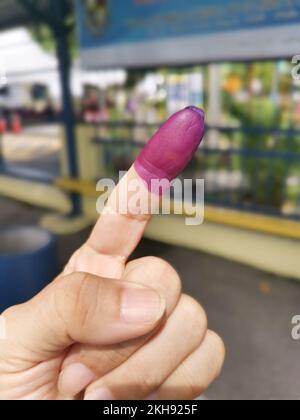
(106, 329)
(87, 317)
(77, 335)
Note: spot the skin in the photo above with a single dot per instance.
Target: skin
(166, 154)
(88, 334)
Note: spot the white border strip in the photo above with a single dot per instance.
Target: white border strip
(279, 41)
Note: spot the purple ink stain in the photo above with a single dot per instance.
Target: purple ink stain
(171, 148)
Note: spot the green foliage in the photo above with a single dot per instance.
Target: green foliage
(266, 176)
(45, 37)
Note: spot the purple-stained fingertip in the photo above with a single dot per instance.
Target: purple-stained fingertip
(171, 148)
(199, 111)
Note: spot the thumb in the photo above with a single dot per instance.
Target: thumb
(82, 308)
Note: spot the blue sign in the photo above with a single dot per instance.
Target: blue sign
(130, 32)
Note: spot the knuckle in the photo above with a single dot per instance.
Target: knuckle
(145, 380)
(197, 378)
(218, 348)
(76, 297)
(157, 263)
(192, 384)
(71, 265)
(104, 360)
(72, 289)
(165, 270)
(146, 386)
(158, 269)
(195, 316)
(115, 357)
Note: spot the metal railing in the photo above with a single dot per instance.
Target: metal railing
(252, 169)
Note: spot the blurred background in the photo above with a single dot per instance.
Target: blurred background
(84, 85)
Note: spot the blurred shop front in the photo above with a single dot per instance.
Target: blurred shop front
(233, 58)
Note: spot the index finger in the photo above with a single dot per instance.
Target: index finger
(117, 233)
(123, 221)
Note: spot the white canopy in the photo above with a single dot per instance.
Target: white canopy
(23, 60)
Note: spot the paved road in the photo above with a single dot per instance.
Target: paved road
(36, 148)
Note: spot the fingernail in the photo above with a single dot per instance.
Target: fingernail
(99, 394)
(74, 379)
(141, 305)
